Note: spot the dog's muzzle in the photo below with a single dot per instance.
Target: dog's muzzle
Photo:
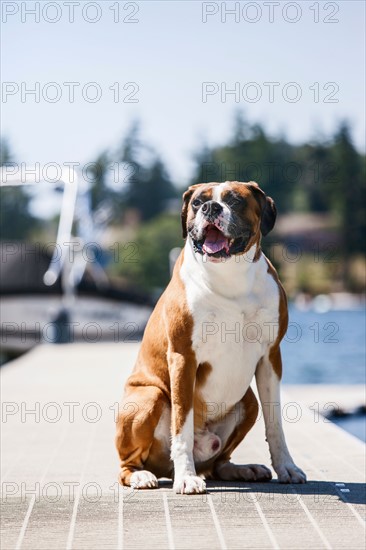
(211, 209)
(212, 240)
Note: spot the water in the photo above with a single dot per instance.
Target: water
(327, 348)
(324, 348)
(355, 425)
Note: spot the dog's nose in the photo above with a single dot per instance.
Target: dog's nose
(211, 208)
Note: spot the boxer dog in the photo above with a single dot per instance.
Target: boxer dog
(188, 402)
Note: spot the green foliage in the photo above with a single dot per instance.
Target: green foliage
(5, 154)
(140, 182)
(250, 155)
(316, 177)
(16, 223)
(322, 177)
(154, 240)
(349, 192)
(99, 191)
(148, 187)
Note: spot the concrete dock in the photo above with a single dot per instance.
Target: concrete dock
(59, 468)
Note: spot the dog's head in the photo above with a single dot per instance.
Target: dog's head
(226, 219)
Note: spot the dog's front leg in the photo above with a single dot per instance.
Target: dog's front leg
(268, 383)
(182, 370)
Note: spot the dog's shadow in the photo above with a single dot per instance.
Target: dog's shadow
(322, 491)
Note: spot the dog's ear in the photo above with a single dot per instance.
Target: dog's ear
(268, 208)
(269, 214)
(186, 198)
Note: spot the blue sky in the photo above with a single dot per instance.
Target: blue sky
(169, 53)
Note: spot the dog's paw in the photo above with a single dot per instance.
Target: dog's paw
(189, 485)
(290, 473)
(254, 472)
(142, 479)
(244, 472)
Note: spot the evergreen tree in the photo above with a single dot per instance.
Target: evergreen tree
(99, 190)
(348, 193)
(16, 222)
(148, 185)
(251, 155)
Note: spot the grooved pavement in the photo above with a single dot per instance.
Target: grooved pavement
(59, 469)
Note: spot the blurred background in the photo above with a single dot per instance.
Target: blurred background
(142, 99)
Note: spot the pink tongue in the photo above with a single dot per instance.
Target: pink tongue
(215, 241)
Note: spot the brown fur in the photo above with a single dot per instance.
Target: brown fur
(200, 407)
(188, 196)
(166, 373)
(275, 352)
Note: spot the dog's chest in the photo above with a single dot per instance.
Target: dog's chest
(231, 335)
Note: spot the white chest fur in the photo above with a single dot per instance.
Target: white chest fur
(235, 309)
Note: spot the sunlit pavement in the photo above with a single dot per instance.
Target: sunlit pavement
(59, 468)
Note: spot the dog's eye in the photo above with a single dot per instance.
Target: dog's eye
(196, 203)
(234, 201)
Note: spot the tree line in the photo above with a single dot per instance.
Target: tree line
(324, 176)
